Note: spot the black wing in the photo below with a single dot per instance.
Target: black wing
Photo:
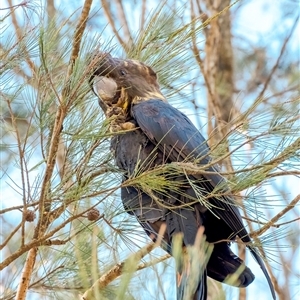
(180, 140)
(176, 136)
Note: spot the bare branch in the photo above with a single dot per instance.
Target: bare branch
(276, 218)
(26, 274)
(18, 32)
(124, 23)
(11, 235)
(111, 21)
(117, 270)
(278, 59)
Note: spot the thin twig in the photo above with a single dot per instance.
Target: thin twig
(11, 235)
(19, 35)
(124, 24)
(21, 163)
(277, 217)
(153, 262)
(111, 21)
(278, 59)
(143, 14)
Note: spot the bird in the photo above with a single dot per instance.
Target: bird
(149, 133)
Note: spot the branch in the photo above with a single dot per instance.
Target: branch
(118, 269)
(112, 23)
(18, 34)
(124, 23)
(273, 225)
(143, 13)
(278, 59)
(22, 167)
(59, 118)
(45, 241)
(276, 218)
(76, 43)
(26, 274)
(14, 6)
(153, 262)
(115, 272)
(11, 235)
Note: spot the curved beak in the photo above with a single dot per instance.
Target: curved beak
(105, 89)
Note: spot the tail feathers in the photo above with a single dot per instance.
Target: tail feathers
(189, 288)
(225, 266)
(262, 266)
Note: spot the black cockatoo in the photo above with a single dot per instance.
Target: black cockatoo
(159, 134)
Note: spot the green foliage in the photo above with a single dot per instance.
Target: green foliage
(75, 251)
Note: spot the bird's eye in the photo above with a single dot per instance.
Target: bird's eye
(122, 72)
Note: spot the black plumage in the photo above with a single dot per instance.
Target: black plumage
(162, 135)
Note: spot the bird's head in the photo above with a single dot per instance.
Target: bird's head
(122, 82)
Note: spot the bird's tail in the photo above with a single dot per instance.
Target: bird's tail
(225, 266)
